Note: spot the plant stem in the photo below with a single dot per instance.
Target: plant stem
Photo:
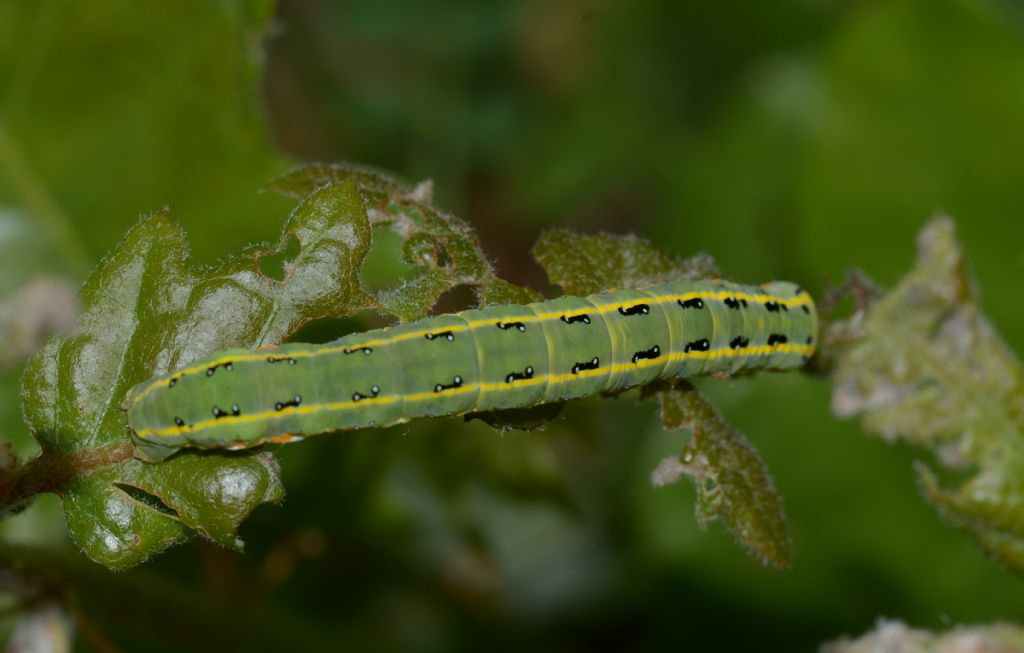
(51, 471)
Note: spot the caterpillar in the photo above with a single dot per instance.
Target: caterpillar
(498, 357)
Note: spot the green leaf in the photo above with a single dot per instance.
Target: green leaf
(585, 265)
(732, 482)
(927, 367)
(442, 246)
(146, 311)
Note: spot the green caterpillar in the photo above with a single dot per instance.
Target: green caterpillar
(494, 358)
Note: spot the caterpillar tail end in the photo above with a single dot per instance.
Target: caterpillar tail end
(151, 452)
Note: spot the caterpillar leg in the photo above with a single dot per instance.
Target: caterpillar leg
(285, 438)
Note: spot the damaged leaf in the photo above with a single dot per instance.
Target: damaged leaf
(731, 480)
(928, 368)
(586, 265)
(145, 311)
(443, 247)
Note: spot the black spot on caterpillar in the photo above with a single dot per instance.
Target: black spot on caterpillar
(519, 376)
(278, 359)
(648, 354)
(374, 391)
(365, 350)
(294, 401)
(456, 383)
(697, 345)
(518, 326)
(777, 339)
(773, 307)
(592, 364)
(696, 302)
(739, 342)
(218, 413)
(572, 319)
(447, 335)
(733, 303)
(639, 309)
(227, 365)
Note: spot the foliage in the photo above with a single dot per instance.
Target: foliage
(146, 312)
(792, 140)
(731, 480)
(923, 364)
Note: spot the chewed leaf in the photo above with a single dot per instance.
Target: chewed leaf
(732, 482)
(214, 492)
(147, 311)
(112, 527)
(129, 511)
(585, 265)
(302, 181)
(927, 367)
(444, 247)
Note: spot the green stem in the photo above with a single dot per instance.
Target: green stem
(51, 471)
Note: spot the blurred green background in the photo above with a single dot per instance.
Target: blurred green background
(789, 140)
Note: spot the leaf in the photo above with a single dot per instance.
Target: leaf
(145, 312)
(585, 265)
(441, 245)
(732, 482)
(928, 368)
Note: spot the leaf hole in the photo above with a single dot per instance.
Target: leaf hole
(149, 500)
(444, 259)
(384, 265)
(458, 298)
(275, 264)
(327, 329)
